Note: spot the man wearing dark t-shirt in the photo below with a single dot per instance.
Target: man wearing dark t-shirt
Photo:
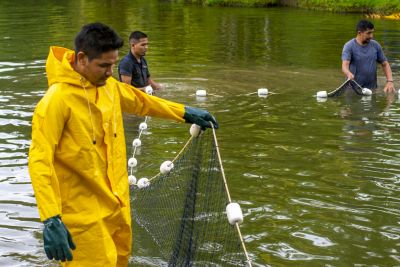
(360, 55)
(133, 67)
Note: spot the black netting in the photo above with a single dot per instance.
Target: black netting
(184, 211)
(346, 86)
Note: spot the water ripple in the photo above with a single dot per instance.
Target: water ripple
(287, 252)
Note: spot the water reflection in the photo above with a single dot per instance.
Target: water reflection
(18, 213)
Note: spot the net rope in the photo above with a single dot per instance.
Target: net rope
(346, 86)
(183, 211)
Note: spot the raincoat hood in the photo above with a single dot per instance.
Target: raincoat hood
(59, 68)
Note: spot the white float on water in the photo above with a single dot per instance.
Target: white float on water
(322, 94)
(132, 162)
(195, 130)
(201, 92)
(149, 90)
(132, 179)
(166, 167)
(262, 92)
(143, 126)
(366, 91)
(143, 182)
(234, 213)
(136, 142)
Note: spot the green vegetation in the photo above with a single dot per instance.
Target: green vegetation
(240, 3)
(364, 6)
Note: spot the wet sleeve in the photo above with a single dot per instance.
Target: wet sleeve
(139, 103)
(47, 126)
(346, 52)
(380, 54)
(125, 68)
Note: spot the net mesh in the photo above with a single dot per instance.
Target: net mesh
(184, 211)
(346, 86)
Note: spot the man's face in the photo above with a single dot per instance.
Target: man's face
(140, 47)
(366, 36)
(99, 69)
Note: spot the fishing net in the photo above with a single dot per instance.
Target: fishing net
(348, 85)
(184, 210)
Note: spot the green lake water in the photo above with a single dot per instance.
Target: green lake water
(318, 182)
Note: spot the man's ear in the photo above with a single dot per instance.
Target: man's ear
(82, 58)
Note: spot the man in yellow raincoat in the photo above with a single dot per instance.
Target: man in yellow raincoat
(77, 160)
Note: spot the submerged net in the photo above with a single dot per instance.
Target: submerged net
(184, 211)
(348, 85)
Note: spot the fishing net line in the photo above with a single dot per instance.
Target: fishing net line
(184, 210)
(348, 85)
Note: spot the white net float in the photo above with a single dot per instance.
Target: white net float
(143, 126)
(148, 90)
(322, 94)
(195, 130)
(201, 92)
(132, 180)
(132, 162)
(234, 213)
(166, 167)
(136, 142)
(262, 91)
(143, 183)
(366, 91)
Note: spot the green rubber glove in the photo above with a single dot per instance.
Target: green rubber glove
(57, 240)
(200, 117)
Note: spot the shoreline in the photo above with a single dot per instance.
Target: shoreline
(381, 9)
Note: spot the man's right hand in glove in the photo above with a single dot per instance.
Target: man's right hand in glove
(57, 240)
(200, 117)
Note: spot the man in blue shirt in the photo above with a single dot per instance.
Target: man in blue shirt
(359, 58)
(133, 68)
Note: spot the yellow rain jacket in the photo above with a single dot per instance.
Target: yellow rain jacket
(87, 183)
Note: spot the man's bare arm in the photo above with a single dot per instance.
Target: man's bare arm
(126, 79)
(346, 69)
(389, 87)
(154, 85)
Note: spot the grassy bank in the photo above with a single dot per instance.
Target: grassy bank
(237, 3)
(364, 6)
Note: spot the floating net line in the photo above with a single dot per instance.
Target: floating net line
(346, 86)
(184, 210)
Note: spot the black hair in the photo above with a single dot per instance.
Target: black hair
(95, 39)
(136, 36)
(364, 25)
